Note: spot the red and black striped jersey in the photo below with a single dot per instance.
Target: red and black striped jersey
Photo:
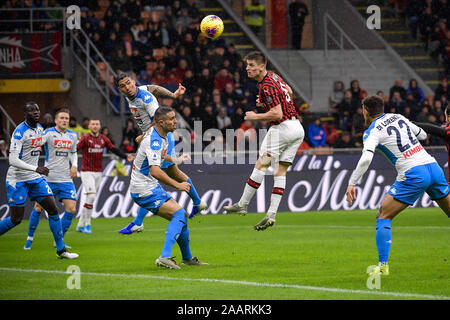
(273, 91)
(446, 126)
(92, 151)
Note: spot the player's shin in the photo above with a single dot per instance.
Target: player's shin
(251, 186)
(383, 238)
(193, 193)
(139, 220)
(176, 224)
(183, 243)
(35, 217)
(277, 193)
(66, 221)
(56, 228)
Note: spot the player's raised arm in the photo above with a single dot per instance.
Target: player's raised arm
(159, 91)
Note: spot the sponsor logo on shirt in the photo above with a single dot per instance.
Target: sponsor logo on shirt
(62, 144)
(95, 150)
(412, 151)
(36, 143)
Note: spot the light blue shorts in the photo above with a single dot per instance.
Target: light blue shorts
(36, 189)
(63, 190)
(153, 201)
(427, 178)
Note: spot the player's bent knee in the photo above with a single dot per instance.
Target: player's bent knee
(16, 220)
(90, 198)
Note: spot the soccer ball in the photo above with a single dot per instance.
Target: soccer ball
(211, 26)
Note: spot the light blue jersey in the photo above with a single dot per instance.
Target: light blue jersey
(143, 107)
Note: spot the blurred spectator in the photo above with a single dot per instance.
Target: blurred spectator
(74, 126)
(413, 10)
(423, 115)
(119, 61)
(345, 141)
(126, 146)
(254, 16)
(357, 92)
(208, 118)
(238, 117)
(130, 132)
(358, 126)
(316, 134)
(4, 151)
(397, 104)
(187, 115)
(223, 120)
(47, 121)
(443, 89)
(222, 78)
(246, 132)
(336, 96)
(105, 131)
(397, 87)
(331, 133)
(416, 91)
(298, 11)
(345, 109)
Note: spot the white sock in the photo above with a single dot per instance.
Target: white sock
(279, 184)
(253, 183)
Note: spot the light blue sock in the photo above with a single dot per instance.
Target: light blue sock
(383, 237)
(66, 221)
(140, 216)
(176, 224)
(35, 217)
(56, 228)
(193, 193)
(183, 243)
(5, 225)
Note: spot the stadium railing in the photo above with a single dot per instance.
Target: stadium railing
(10, 124)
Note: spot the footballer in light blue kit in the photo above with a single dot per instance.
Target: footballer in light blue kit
(24, 178)
(417, 171)
(143, 105)
(146, 191)
(61, 159)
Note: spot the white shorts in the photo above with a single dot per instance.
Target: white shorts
(91, 181)
(283, 140)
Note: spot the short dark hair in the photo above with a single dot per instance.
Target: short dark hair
(29, 104)
(373, 104)
(257, 56)
(161, 112)
(120, 76)
(66, 110)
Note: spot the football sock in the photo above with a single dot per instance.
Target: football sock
(251, 186)
(35, 217)
(279, 184)
(140, 216)
(193, 193)
(383, 238)
(87, 213)
(55, 226)
(176, 224)
(183, 243)
(66, 221)
(5, 225)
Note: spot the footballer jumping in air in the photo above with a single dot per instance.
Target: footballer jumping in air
(417, 171)
(143, 105)
(61, 159)
(24, 178)
(281, 141)
(146, 191)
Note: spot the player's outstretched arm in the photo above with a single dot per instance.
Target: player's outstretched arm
(361, 168)
(159, 91)
(432, 129)
(160, 175)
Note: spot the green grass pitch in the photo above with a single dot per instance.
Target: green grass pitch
(314, 255)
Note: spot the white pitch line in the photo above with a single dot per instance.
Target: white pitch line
(237, 282)
(316, 226)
